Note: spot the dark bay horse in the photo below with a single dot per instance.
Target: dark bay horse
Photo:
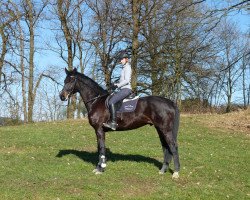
(153, 110)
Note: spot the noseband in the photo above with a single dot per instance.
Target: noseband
(73, 88)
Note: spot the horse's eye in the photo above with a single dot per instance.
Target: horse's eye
(68, 80)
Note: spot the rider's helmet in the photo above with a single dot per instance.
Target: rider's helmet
(123, 54)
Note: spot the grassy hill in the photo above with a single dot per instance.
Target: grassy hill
(55, 161)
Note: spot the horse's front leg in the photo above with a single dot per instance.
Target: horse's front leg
(100, 135)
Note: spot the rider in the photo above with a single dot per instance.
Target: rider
(124, 87)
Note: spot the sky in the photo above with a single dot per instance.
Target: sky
(46, 60)
(49, 59)
(242, 17)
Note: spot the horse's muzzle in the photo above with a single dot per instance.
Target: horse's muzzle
(63, 96)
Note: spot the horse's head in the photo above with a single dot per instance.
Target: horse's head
(69, 84)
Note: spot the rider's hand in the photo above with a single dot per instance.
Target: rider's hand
(113, 86)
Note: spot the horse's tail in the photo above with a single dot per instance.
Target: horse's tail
(176, 123)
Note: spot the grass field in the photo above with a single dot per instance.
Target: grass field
(55, 161)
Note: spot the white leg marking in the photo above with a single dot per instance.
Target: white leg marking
(175, 175)
(103, 165)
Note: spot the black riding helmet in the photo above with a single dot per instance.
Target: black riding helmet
(123, 54)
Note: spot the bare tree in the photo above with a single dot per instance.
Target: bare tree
(152, 65)
(245, 64)
(32, 16)
(136, 5)
(230, 56)
(65, 11)
(105, 34)
(139, 11)
(22, 68)
(8, 17)
(176, 46)
(10, 30)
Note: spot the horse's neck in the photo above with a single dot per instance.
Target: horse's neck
(89, 90)
(87, 95)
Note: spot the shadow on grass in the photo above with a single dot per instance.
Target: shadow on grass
(92, 157)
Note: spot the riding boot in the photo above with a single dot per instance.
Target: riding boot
(112, 123)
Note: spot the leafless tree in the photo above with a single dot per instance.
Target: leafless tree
(70, 19)
(32, 15)
(245, 67)
(8, 17)
(105, 34)
(9, 29)
(231, 53)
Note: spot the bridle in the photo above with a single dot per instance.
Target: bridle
(73, 88)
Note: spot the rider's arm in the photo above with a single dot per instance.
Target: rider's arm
(125, 76)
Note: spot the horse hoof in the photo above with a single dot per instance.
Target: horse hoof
(98, 172)
(161, 172)
(175, 175)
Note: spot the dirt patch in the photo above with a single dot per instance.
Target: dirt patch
(236, 121)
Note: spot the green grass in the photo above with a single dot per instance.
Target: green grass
(55, 161)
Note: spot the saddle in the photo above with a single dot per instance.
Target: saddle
(126, 105)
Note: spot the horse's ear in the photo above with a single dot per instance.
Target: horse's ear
(74, 70)
(66, 71)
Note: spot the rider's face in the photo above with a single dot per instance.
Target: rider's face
(123, 61)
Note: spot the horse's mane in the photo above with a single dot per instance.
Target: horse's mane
(92, 84)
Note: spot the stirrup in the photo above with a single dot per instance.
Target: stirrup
(111, 125)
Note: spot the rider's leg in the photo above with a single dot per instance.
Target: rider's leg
(112, 124)
(114, 99)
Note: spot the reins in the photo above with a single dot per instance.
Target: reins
(93, 99)
(99, 96)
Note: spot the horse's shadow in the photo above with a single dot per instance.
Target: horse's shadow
(92, 157)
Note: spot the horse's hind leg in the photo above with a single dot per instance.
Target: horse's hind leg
(166, 152)
(170, 149)
(167, 159)
(174, 150)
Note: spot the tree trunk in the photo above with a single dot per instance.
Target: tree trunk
(229, 93)
(68, 37)
(23, 74)
(31, 61)
(66, 32)
(229, 82)
(4, 51)
(135, 41)
(248, 96)
(244, 82)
